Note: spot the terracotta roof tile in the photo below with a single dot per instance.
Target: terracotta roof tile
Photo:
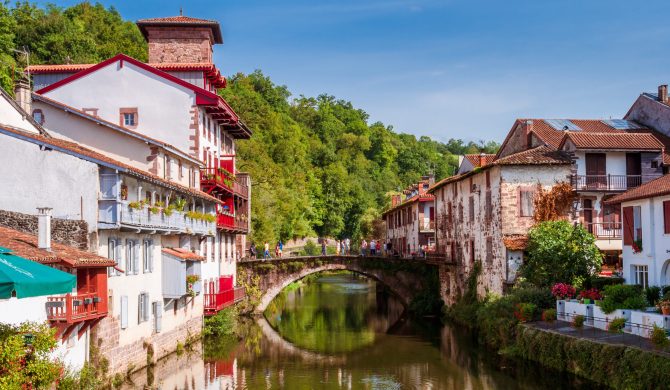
(541, 155)
(177, 20)
(553, 137)
(658, 187)
(183, 254)
(76, 148)
(476, 158)
(182, 21)
(618, 141)
(25, 245)
(515, 242)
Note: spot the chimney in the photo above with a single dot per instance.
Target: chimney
(395, 200)
(44, 228)
(663, 93)
(482, 159)
(22, 95)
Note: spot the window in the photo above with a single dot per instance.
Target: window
(488, 208)
(489, 250)
(157, 308)
(113, 253)
(666, 216)
(124, 312)
(128, 117)
(471, 208)
(526, 203)
(641, 275)
(472, 251)
(632, 225)
(143, 311)
(181, 170)
(38, 116)
(132, 259)
(148, 256)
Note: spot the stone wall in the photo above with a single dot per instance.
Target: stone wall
(69, 232)
(133, 356)
(179, 45)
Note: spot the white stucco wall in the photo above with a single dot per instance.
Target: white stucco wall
(163, 106)
(9, 115)
(53, 179)
(615, 163)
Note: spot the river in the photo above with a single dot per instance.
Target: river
(343, 331)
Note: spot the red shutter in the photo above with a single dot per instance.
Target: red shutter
(666, 216)
(628, 226)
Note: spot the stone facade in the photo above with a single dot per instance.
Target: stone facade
(179, 44)
(69, 232)
(134, 356)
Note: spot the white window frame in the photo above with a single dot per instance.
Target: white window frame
(143, 308)
(147, 256)
(129, 119)
(641, 275)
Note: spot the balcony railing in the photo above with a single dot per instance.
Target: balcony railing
(72, 308)
(427, 226)
(605, 230)
(215, 302)
(142, 218)
(216, 178)
(237, 222)
(608, 182)
(240, 188)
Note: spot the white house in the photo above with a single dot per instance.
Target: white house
(646, 233)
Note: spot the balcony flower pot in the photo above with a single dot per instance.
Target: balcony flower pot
(664, 305)
(76, 302)
(88, 301)
(97, 299)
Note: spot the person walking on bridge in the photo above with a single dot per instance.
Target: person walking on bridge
(252, 251)
(347, 246)
(323, 247)
(266, 251)
(373, 247)
(337, 247)
(364, 247)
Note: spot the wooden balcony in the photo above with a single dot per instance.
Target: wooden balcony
(428, 226)
(215, 302)
(74, 308)
(217, 181)
(240, 188)
(609, 183)
(604, 230)
(235, 223)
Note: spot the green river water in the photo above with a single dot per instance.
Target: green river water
(344, 331)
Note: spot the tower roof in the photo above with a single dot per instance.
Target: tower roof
(181, 21)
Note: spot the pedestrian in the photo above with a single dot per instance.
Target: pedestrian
(281, 248)
(266, 251)
(347, 244)
(277, 251)
(364, 247)
(252, 251)
(337, 247)
(323, 247)
(343, 248)
(373, 247)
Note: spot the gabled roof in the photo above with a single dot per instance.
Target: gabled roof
(406, 202)
(182, 21)
(657, 187)
(115, 127)
(77, 150)
(214, 103)
(475, 159)
(25, 245)
(183, 254)
(613, 141)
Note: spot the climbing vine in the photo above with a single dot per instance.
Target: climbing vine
(553, 204)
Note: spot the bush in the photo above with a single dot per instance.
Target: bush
(265, 268)
(496, 321)
(617, 325)
(540, 297)
(665, 291)
(549, 315)
(600, 282)
(659, 338)
(224, 323)
(622, 296)
(311, 249)
(653, 294)
(563, 291)
(525, 311)
(578, 321)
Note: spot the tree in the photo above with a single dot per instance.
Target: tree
(560, 252)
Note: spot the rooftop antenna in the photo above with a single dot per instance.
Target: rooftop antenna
(181, 12)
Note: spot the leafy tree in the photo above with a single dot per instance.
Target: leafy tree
(560, 252)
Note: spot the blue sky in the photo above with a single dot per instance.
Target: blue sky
(461, 69)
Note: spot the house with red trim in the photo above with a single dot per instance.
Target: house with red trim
(410, 222)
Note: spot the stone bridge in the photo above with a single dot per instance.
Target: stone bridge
(407, 278)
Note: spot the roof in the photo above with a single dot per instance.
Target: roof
(657, 187)
(475, 159)
(183, 254)
(184, 21)
(515, 242)
(540, 155)
(215, 104)
(25, 245)
(418, 197)
(88, 154)
(113, 126)
(211, 71)
(616, 141)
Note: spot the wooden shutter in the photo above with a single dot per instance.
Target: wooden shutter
(119, 252)
(136, 257)
(124, 311)
(628, 225)
(129, 257)
(158, 316)
(151, 255)
(111, 249)
(147, 307)
(666, 216)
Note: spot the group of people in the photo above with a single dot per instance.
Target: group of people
(279, 250)
(342, 247)
(374, 248)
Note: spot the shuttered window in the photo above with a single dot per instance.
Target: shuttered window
(132, 258)
(526, 206)
(158, 316)
(124, 311)
(628, 226)
(112, 255)
(471, 208)
(148, 256)
(488, 208)
(143, 308)
(666, 216)
(489, 250)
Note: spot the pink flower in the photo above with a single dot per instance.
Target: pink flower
(563, 291)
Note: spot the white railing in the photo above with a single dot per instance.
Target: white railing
(176, 221)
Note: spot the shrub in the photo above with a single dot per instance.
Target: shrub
(622, 296)
(600, 282)
(549, 315)
(665, 291)
(616, 326)
(540, 297)
(653, 294)
(592, 293)
(265, 268)
(496, 321)
(563, 291)
(659, 338)
(295, 266)
(311, 249)
(525, 311)
(578, 321)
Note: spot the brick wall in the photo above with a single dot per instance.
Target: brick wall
(64, 231)
(179, 44)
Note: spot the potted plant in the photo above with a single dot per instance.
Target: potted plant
(664, 305)
(135, 205)
(637, 246)
(589, 296)
(190, 280)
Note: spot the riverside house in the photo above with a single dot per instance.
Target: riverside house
(410, 222)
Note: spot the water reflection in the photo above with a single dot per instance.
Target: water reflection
(343, 332)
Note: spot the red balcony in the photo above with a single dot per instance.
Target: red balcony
(238, 223)
(215, 302)
(217, 181)
(74, 308)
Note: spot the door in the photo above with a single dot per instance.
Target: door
(596, 170)
(633, 170)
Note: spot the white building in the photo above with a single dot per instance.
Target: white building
(646, 233)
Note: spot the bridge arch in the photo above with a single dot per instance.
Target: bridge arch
(403, 280)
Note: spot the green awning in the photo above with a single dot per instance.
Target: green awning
(24, 278)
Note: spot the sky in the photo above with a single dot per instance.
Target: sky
(446, 69)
